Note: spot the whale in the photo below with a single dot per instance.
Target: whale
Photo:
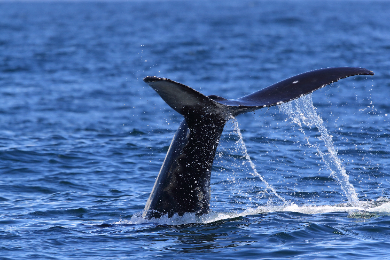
(183, 183)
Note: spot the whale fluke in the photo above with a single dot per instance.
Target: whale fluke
(183, 184)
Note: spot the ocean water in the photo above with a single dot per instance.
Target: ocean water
(82, 137)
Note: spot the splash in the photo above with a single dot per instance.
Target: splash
(254, 172)
(367, 209)
(302, 112)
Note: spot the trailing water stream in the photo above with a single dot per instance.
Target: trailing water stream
(303, 113)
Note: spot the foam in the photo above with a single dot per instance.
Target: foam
(379, 207)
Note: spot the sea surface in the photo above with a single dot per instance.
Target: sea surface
(82, 137)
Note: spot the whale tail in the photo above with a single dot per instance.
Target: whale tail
(183, 184)
(184, 99)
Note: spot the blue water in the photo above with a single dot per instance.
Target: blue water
(82, 137)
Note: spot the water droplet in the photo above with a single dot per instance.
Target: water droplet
(302, 112)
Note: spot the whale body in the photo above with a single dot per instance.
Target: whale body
(183, 184)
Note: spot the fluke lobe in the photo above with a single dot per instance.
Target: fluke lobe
(183, 184)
